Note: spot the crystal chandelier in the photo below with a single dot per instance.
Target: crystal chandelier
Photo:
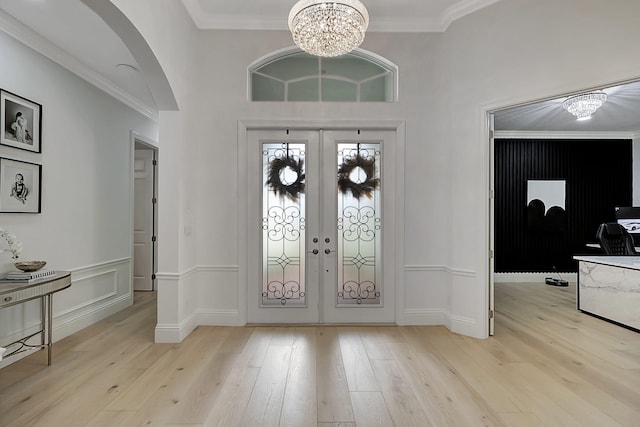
(328, 28)
(584, 105)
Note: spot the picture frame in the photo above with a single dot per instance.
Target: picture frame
(20, 122)
(20, 186)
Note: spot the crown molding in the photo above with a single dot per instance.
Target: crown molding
(517, 134)
(407, 26)
(462, 8)
(208, 21)
(28, 37)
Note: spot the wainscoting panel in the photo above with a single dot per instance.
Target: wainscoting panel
(208, 295)
(90, 290)
(425, 294)
(428, 290)
(176, 321)
(462, 284)
(218, 294)
(97, 291)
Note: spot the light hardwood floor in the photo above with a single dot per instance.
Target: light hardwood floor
(547, 365)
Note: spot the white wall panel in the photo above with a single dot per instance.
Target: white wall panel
(425, 295)
(90, 290)
(97, 291)
(207, 296)
(218, 296)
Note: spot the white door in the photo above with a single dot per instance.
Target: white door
(143, 250)
(321, 250)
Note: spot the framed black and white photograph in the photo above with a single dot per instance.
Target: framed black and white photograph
(20, 184)
(20, 121)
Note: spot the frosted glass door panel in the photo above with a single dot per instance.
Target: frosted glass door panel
(282, 268)
(359, 223)
(358, 218)
(283, 224)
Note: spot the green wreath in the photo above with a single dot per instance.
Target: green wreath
(281, 189)
(368, 186)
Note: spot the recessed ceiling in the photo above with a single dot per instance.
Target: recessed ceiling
(618, 114)
(68, 32)
(385, 15)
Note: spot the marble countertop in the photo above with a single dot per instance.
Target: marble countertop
(632, 262)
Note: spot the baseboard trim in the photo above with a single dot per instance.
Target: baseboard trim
(175, 333)
(463, 325)
(219, 318)
(67, 324)
(532, 277)
(432, 317)
(436, 317)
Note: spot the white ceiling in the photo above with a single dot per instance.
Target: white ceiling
(620, 113)
(71, 34)
(385, 15)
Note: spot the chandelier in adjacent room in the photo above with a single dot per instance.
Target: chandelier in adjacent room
(328, 28)
(584, 105)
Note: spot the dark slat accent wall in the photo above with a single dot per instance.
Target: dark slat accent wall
(598, 175)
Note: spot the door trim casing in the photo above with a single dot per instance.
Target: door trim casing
(398, 126)
(136, 138)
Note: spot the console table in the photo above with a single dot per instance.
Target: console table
(13, 293)
(609, 288)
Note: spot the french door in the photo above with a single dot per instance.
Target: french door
(318, 226)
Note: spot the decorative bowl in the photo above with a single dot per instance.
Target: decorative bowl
(29, 266)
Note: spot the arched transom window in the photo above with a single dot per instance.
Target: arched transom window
(299, 77)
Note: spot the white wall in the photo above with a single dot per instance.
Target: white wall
(513, 52)
(85, 225)
(202, 284)
(171, 35)
(223, 102)
(508, 53)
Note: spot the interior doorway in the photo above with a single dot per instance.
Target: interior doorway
(144, 217)
(317, 229)
(546, 119)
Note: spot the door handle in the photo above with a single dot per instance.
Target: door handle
(328, 251)
(315, 252)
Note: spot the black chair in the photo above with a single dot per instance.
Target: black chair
(615, 240)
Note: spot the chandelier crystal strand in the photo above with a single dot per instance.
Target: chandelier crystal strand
(328, 28)
(584, 105)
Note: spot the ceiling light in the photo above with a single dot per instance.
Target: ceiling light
(328, 28)
(584, 105)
